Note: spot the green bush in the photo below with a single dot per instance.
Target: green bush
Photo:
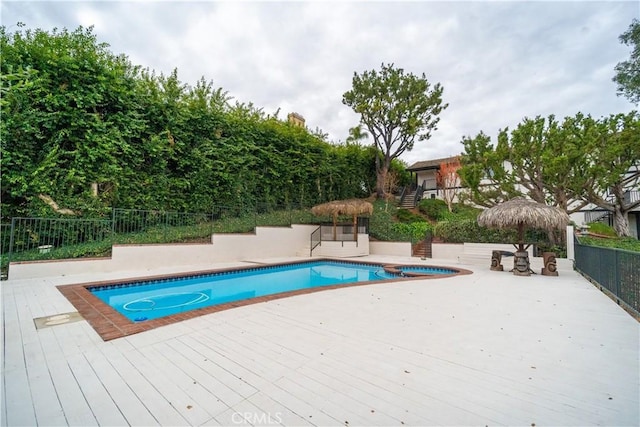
(462, 211)
(405, 215)
(434, 209)
(468, 230)
(626, 243)
(602, 228)
(414, 231)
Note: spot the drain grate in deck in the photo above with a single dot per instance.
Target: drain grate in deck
(58, 319)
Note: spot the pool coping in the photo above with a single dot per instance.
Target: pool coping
(109, 324)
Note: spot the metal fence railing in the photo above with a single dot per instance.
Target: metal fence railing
(54, 238)
(342, 232)
(28, 239)
(616, 270)
(5, 238)
(316, 239)
(151, 226)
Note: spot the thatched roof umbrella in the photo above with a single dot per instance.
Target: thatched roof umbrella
(352, 207)
(523, 213)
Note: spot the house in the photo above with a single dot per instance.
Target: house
(594, 213)
(296, 119)
(433, 179)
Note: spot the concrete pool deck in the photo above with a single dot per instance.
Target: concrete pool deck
(483, 349)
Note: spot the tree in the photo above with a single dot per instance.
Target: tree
(356, 134)
(84, 130)
(70, 127)
(628, 72)
(449, 181)
(569, 165)
(536, 160)
(614, 168)
(397, 109)
(484, 172)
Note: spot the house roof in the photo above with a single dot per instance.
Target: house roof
(430, 164)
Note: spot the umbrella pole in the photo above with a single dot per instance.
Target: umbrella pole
(355, 228)
(335, 220)
(520, 236)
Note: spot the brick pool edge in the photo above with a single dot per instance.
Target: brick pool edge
(109, 324)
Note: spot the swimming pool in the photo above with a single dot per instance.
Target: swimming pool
(142, 301)
(120, 308)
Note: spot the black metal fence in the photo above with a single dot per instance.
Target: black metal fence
(343, 232)
(615, 270)
(29, 239)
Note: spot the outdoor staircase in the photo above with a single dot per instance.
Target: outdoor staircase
(422, 250)
(407, 203)
(605, 217)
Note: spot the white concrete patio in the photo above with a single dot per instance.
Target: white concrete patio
(482, 349)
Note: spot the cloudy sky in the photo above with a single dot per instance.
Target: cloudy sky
(497, 61)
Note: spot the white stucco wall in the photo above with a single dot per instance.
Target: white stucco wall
(447, 250)
(427, 175)
(390, 248)
(266, 242)
(343, 249)
(471, 252)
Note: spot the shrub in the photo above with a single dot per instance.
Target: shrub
(434, 209)
(468, 230)
(626, 243)
(414, 231)
(602, 228)
(462, 211)
(405, 215)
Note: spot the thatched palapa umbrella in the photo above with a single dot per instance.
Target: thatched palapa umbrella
(352, 207)
(523, 213)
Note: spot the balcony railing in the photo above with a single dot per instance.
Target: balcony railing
(631, 196)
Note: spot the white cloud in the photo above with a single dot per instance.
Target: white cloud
(497, 61)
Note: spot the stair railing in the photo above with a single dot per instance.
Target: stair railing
(403, 194)
(316, 239)
(597, 216)
(418, 195)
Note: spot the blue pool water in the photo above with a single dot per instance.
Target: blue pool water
(140, 301)
(426, 270)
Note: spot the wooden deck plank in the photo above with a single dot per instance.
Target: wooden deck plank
(156, 402)
(276, 411)
(323, 402)
(171, 383)
(17, 394)
(299, 405)
(236, 386)
(339, 399)
(43, 392)
(100, 401)
(133, 410)
(203, 395)
(484, 348)
(76, 408)
(229, 361)
(245, 354)
(378, 400)
(12, 352)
